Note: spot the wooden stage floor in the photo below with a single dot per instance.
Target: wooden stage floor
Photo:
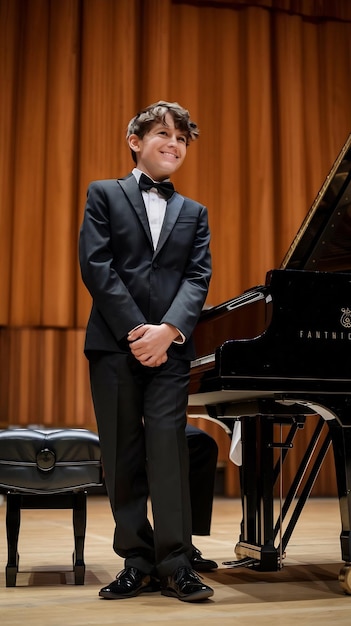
(306, 590)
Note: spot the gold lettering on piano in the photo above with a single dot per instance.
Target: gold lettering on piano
(325, 334)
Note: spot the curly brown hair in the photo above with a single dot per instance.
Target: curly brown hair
(141, 123)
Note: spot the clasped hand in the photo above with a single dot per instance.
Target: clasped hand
(149, 343)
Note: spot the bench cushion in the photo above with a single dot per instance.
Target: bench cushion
(48, 460)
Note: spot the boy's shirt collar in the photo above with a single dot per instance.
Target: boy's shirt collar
(137, 173)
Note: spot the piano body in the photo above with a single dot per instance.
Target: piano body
(277, 354)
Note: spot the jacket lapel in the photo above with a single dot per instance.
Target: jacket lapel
(132, 191)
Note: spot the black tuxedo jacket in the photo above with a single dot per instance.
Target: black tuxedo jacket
(130, 282)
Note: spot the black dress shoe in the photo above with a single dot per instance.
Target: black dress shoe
(185, 585)
(129, 583)
(200, 564)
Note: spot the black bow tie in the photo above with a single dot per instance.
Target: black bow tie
(165, 189)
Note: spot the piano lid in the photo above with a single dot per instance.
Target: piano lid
(323, 242)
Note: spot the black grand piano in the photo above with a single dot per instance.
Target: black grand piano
(277, 354)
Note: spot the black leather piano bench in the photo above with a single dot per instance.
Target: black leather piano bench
(44, 468)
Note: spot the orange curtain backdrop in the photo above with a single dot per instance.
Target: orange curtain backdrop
(44, 379)
(38, 95)
(267, 81)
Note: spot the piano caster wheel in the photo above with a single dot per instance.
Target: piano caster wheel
(345, 578)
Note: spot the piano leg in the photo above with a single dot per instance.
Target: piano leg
(257, 480)
(259, 475)
(341, 440)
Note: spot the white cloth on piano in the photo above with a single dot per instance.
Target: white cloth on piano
(235, 452)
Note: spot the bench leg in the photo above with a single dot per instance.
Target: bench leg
(13, 520)
(79, 526)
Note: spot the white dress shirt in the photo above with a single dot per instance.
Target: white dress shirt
(155, 208)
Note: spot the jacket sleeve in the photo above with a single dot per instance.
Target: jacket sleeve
(185, 309)
(109, 293)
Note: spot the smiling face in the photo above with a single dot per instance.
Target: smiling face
(161, 151)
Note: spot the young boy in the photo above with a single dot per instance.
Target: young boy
(144, 255)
